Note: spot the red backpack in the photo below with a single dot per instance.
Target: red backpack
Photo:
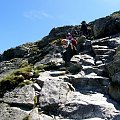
(74, 42)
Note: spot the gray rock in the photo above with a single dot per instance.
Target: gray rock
(107, 26)
(80, 106)
(22, 96)
(59, 32)
(89, 82)
(53, 92)
(76, 59)
(34, 115)
(11, 113)
(90, 69)
(114, 91)
(45, 117)
(94, 119)
(39, 81)
(36, 87)
(8, 66)
(87, 60)
(17, 52)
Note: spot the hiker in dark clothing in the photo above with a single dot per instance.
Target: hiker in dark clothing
(83, 29)
(75, 32)
(68, 54)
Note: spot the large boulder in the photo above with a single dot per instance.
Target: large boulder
(11, 113)
(1, 57)
(80, 106)
(53, 93)
(59, 32)
(107, 26)
(114, 73)
(17, 52)
(21, 96)
(8, 66)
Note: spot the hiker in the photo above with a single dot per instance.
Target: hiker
(83, 29)
(80, 43)
(75, 32)
(68, 54)
(69, 37)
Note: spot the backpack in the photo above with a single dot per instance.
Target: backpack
(74, 42)
(81, 39)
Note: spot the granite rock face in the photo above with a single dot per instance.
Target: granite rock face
(114, 72)
(107, 26)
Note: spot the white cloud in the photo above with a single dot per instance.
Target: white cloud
(36, 14)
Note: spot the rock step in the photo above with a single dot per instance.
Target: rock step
(101, 66)
(104, 51)
(102, 56)
(99, 47)
(88, 81)
(89, 106)
(57, 73)
(90, 69)
(98, 62)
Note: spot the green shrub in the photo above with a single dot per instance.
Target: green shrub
(23, 71)
(40, 67)
(13, 79)
(24, 63)
(35, 101)
(26, 118)
(25, 82)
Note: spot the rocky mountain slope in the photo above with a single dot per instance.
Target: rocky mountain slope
(35, 84)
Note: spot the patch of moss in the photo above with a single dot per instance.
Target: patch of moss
(57, 42)
(36, 73)
(35, 101)
(26, 118)
(23, 71)
(24, 63)
(25, 82)
(13, 79)
(40, 67)
(62, 69)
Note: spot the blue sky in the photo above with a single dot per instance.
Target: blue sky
(25, 21)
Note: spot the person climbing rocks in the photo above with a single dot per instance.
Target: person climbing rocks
(75, 31)
(69, 37)
(68, 54)
(83, 28)
(70, 49)
(67, 41)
